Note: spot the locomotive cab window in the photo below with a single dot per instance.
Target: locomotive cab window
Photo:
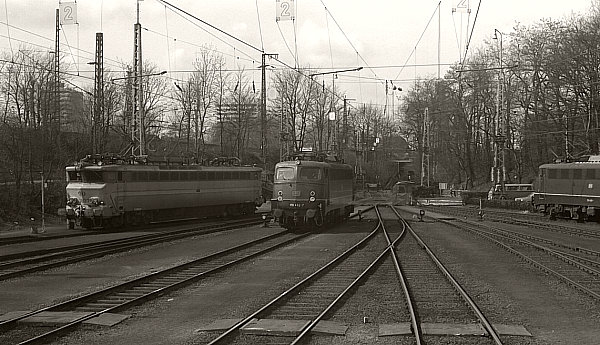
(110, 176)
(309, 174)
(73, 176)
(92, 176)
(285, 173)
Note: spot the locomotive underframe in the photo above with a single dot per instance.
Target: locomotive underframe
(89, 217)
(580, 207)
(315, 216)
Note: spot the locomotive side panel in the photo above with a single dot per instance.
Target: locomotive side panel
(101, 195)
(570, 190)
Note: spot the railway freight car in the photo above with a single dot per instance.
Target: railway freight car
(111, 191)
(570, 189)
(312, 190)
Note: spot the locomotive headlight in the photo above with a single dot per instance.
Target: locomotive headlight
(280, 198)
(280, 192)
(311, 199)
(312, 193)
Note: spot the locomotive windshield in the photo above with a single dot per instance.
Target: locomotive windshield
(92, 176)
(309, 174)
(73, 176)
(285, 173)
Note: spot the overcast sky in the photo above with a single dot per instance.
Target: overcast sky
(379, 35)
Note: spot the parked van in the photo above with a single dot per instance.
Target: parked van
(512, 191)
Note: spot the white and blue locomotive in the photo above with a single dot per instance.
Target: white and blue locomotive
(110, 191)
(311, 191)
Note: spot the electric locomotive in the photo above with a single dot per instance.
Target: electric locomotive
(312, 190)
(112, 191)
(570, 189)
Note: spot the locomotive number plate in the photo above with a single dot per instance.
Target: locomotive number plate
(296, 204)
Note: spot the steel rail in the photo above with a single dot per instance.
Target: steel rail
(553, 243)
(84, 298)
(306, 330)
(151, 294)
(482, 318)
(95, 250)
(183, 231)
(414, 319)
(489, 236)
(8, 240)
(500, 216)
(240, 324)
(564, 256)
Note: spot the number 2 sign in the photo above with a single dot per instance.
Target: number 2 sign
(285, 10)
(68, 12)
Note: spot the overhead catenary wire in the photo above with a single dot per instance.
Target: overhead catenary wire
(437, 8)
(472, 30)
(286, 44)
(51, 40)
(69, 46)
(192, 44)
(181, 13)
(177, 9)
(167, 36)
(349, 41)
(262, 43)
(8, 28)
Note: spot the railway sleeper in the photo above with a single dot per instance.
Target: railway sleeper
(127, 294)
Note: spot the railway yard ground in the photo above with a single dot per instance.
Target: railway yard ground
(530, 298)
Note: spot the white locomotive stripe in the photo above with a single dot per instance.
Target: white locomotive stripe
(571, 195)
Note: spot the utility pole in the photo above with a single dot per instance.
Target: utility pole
(501, 130)
(130, 109)
(344, 141)
(98, 92)
(425, 155)
(57, 75)
(263, 108)
(138, 98)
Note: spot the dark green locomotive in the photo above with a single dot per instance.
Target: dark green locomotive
(311, 191)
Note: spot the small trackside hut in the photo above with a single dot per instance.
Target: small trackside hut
(110, 191)
(312, 190)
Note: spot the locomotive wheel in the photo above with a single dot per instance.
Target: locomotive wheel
(116, 222)
(552, 214)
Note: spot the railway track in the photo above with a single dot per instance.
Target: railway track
(122, 296)
(528, 220)
(15, 265)
(577, 267)
(433, 295)
(4, 241)
(316, 297)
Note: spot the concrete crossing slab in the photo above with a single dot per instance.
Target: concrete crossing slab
(107, 319)
(329, 328)
(288, 328)
(218, 325)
